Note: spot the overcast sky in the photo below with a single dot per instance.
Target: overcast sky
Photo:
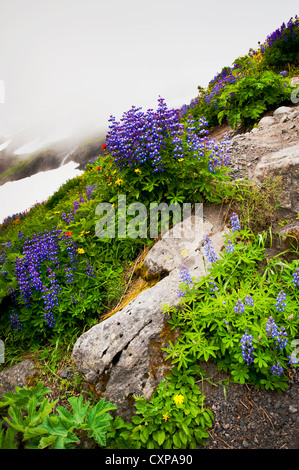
(76, 62)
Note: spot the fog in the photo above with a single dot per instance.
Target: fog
(67, 65)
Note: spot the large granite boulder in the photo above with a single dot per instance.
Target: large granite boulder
(122, 355)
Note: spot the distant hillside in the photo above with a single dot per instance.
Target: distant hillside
(13, 168)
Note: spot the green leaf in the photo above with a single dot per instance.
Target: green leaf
(47, 441)
(183, 437)
(30, 432)
(161, 437)
(176, 439)
(79, 409)
(7, 438)
(98, 421)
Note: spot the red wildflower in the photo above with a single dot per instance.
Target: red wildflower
(103, 147)
(68, 233)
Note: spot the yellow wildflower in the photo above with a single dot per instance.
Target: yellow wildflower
(118, 181)
(180, 160)
(137, 170)
(166, 416)
(178, 399)
(80, 251)
(113, 172)
(56, 212)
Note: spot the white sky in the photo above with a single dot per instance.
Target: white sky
(76, 62)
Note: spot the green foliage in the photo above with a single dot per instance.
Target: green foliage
(212, 326)
(255, 204)
(174, 418)
(247, 100)
(32, 417)
(283, 51)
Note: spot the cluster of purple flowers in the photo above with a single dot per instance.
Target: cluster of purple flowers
(277, 369)
(89, 270)
(43, 249)
(281, 33)
(296, 278)
(213, 287)
(230, 247)
(249, 300)
(142, 137)
(240, 306)
(67, 218)
(280, 336)
(15, 321)
(90, 188)
(235, 223)
(280, 304)
(222, 79)
(185, 278)
(210, 252)
(247, 348)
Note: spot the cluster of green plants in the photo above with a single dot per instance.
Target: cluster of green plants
(174, 418)
(243, 314)
(254, 84)
(35, 422)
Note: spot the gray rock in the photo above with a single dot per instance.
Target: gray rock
(122, 355)
(266, 121)
(286, 163)
(16, 376)
(293, 115)
(282, 110)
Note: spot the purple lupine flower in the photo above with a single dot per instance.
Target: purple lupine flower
(210, 252)
(279, 336)
(89, 270)
(213, 287)
(247, 348)
(89, 190)
(296, 278)
(185, 278)
(280, 304)
(230, 247)
(15, 321)
(248, 300)
(235, 223)
(239, 307)
(277, 369)
(139, 137)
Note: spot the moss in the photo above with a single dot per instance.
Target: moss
(158, 362)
